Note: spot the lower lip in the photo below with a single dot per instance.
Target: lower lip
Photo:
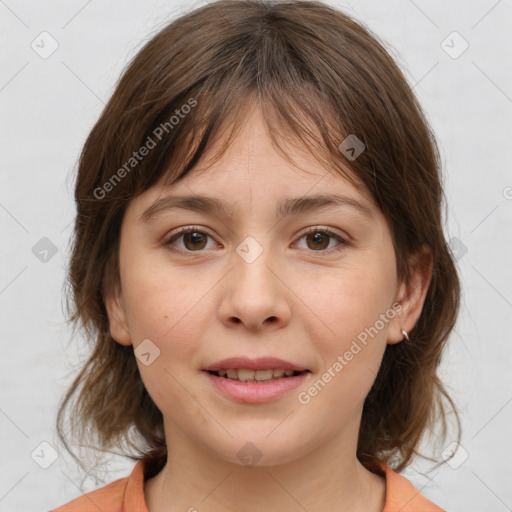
(253, 392)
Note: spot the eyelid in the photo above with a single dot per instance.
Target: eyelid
(175, 234)
(331, 232)
(344, 241)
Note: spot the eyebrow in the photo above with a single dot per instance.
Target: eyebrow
(286, 207)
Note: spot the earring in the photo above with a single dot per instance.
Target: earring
(405, 335)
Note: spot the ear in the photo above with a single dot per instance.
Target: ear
(411, 294)
(117, 317)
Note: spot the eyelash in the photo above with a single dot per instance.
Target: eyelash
(196, 229)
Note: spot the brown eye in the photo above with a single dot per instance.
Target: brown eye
(193, 240)
(319, 239)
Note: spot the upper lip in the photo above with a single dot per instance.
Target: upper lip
(261, 363)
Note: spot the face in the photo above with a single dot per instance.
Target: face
(314, 288)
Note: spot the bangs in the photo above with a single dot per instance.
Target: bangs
(296, 115)
(309, 103)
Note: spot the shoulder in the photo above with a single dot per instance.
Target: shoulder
(121, 495)
(402, 496)
(109, 498)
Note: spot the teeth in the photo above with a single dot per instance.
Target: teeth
(232, 373)
(264, 374)
(246, 375)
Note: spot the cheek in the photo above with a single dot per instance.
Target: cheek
(166, 312)
(352, 355)
(155, 297)
(169, 308)
(355, 308)
(349, 300)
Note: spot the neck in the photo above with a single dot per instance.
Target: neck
(327, 478)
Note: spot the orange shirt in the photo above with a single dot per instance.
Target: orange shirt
(127, 495)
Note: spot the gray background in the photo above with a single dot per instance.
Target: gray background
(48, 106)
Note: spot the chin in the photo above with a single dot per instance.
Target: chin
(259, 451)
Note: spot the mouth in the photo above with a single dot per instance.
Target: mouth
(247, 386)
(256, 376)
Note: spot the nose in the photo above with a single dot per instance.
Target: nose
(255, 294)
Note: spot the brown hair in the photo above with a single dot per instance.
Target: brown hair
(319, 76)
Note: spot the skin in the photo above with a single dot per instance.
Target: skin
(292, 302)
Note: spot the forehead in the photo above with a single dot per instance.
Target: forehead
(252, 169)
(230, 186)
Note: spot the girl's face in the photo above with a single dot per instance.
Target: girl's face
(250, 282)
